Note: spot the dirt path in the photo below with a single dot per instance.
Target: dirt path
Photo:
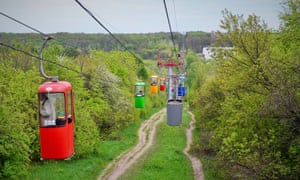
(197, 165)
(124, 161)
(146, 135)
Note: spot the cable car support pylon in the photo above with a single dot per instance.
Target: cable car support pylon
(174, 103)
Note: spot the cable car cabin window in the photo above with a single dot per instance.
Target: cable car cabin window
(70, 118)
(52, 109)
(139, 91)
(154, 81)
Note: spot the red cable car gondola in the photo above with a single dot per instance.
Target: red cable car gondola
(162, 85)
(56, 117)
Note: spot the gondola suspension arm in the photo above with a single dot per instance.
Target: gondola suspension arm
(52, 78)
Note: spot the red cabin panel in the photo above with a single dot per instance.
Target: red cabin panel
(162, 87)
(59, 86)
(54, 143)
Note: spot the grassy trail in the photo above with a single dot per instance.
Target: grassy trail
(165, 159)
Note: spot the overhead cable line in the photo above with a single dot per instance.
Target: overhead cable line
(30, 27)
(27, 53)
(110, 33)
(85, 75)
(34, 29)
(37, 57)
(170, 28)
(175, 16)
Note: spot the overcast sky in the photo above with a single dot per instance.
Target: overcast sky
(130, 16)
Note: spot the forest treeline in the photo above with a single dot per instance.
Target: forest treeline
(247, 99)
(146, 45)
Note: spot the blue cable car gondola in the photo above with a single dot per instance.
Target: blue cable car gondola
(181, 90)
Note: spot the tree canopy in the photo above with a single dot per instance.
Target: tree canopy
(248, 107)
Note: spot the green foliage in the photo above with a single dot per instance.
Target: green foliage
(248, 109)
(249, 143)
(143, 73)
(14, 148)
(71, 52)
(15, 125)
(196, 41)
(112, 84)
(86, 133)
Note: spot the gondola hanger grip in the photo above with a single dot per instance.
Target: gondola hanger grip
(52, 78)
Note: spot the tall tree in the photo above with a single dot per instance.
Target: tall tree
(252, 104)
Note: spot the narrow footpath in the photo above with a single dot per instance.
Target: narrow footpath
(197, 165)
(146, 135)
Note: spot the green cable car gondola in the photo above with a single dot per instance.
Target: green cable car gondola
(139, 95)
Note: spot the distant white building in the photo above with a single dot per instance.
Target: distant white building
(208, 52)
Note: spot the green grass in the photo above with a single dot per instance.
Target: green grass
(208, 163)
(90, 167)
(210, 172)
(165, 159)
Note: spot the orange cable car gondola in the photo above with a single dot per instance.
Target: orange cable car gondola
(154, 84)
(56, 117)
